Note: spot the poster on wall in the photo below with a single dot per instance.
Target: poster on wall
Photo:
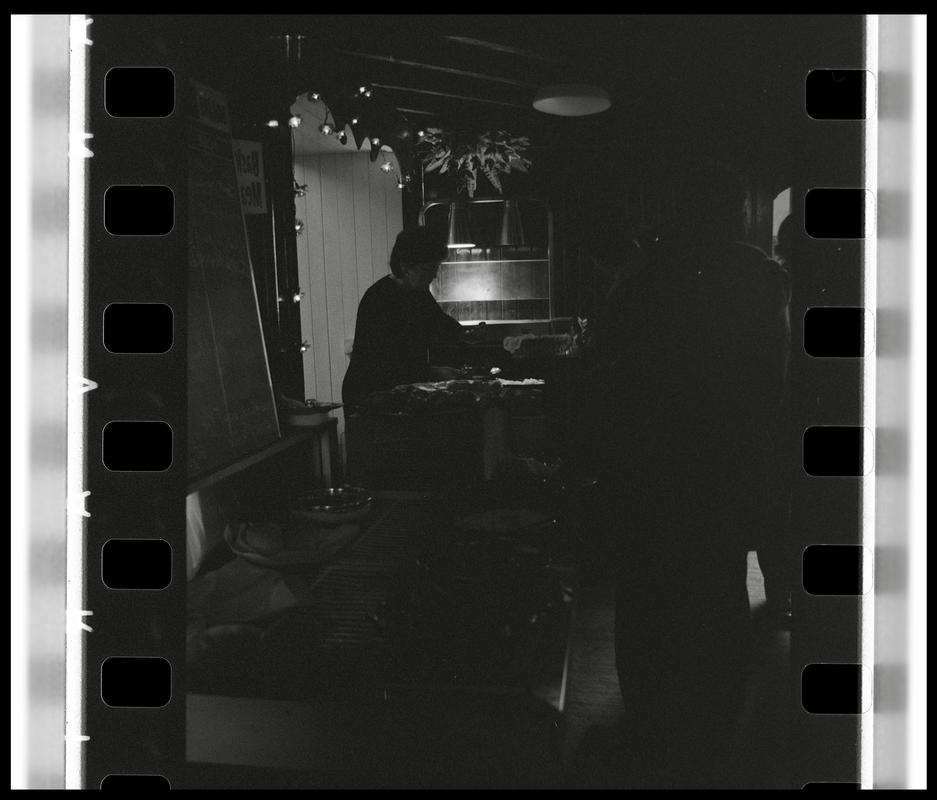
(231, 407)
(249, 163)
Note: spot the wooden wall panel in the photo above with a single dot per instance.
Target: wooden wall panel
(347, 241)
(334, 313)
(393, 213)
(352, 213)
(380, 253)
(305, 283)
(361, 170)
(319, 384)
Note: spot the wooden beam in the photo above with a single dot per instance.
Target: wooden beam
(414, 90)
(439, 68)
(503, 48)
(421, 111)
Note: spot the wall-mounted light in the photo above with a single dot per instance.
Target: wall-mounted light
(304, 347)
(298, 227)
(420, 134)
(295, 121)
(387, 166)
(376, 142)
(401, 182)
(313, 95)
(325, 128)
(273, 123)
(298, 296)
(343, 137)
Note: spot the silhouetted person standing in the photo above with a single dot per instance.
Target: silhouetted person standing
(397, 320)
(694, 349)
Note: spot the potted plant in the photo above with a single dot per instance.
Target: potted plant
(492, 153)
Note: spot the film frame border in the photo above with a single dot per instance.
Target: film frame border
(160, 754)
(146, 739)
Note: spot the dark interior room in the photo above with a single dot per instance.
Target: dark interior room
(495, 382)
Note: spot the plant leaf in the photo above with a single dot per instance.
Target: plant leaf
(436, 164)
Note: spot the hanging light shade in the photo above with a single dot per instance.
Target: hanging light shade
(572, 100)
(512, 231)
(459, 233)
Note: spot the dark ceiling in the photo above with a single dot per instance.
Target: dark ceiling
(709, 82)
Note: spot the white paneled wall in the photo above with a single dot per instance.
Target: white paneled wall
(352, 213)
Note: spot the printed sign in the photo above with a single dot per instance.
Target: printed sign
(249, 162)
(211, 107)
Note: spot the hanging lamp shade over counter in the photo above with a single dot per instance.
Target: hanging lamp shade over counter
(572, 100)
(512, 231)
(459, 233)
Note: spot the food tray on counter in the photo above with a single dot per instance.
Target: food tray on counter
(452, 396)
(319, 543)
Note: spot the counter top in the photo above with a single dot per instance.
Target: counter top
(361, 675)
(411, 604)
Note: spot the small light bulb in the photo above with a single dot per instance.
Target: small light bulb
(362, 89)
(400, 183)
(421, 134)
(354, 120)
(272, 123)
(313, 95)
(387, 166)
(367, 93)
(375, 141)
(303, 347)
(342, 137)
(325, 128)
(298, 226)
(297, 297)
(295, 121)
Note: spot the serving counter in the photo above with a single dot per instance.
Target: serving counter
(431, 652)
(422, 436)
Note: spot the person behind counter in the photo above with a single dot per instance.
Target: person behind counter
(397, 320)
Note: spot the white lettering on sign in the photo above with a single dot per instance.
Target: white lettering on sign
(249, 163)
(211, 107)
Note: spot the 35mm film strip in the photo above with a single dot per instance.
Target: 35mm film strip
(133, 341)
(128, 731)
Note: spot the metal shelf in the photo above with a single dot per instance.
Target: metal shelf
(501, 261)
(542, 243)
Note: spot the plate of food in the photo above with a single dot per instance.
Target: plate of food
(294, 544)
(330, 508)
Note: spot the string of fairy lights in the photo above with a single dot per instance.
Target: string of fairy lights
(330, 127)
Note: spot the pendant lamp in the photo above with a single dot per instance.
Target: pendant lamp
(459, 233)
(512, 231)
(572, 100)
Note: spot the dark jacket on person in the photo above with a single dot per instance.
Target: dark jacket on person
(693, 354)
(393, 331)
